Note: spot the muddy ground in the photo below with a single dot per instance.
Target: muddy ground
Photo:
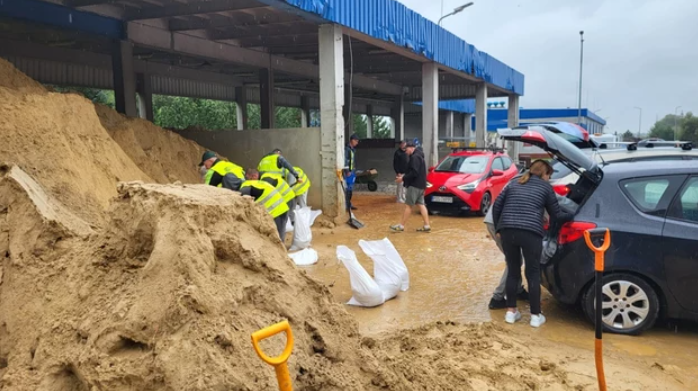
(453, 271)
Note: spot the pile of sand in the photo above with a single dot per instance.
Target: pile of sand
(162, 154)
(78, 152)
(167, 297)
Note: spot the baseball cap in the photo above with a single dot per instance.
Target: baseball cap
(354, 137)
(207, 155)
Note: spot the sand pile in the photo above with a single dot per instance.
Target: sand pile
(162, 154)
(167, 297)
(58, 140)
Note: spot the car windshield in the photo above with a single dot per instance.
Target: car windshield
(464, 164)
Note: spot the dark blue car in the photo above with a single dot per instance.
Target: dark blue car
(651, 209)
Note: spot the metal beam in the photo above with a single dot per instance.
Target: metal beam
(265, 17)
(266, 30)
(198, 8)
(102, 61)
(181, 43)
(85, 3)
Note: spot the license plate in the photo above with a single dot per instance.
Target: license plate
(444, 200)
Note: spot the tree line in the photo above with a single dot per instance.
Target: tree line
(176, 112)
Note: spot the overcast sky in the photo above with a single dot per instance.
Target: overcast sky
(636, 53)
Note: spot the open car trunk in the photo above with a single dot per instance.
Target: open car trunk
(590, 174)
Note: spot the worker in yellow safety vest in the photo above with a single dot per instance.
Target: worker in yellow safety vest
(221, 173)
(300, 187)
(267, 195)
(275, 169)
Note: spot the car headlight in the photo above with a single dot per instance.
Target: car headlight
(429, 185)
(469, 187)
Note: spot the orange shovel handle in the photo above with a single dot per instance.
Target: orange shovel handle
(598, 251)
(270, 332)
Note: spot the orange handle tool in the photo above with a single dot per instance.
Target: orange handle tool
(599, 266)
(283, 376)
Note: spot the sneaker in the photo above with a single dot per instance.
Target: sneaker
(397, 228)
(497, 304)
(424, 229)
(523, 295)
(537, 320)
(512, 317)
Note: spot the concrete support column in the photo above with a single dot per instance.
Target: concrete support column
(450, 125)
(430, 113)
(468, 127)
(331, 51)
(305, 112)
(266, 91)
(144, 88)
(481, 116)
(398, 114)
(513, 121)
(241, 107)
(124, 79)
(369, 121)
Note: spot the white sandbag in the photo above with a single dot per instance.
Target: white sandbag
(314, 215)
(289, 226)
(302, 235)
(387, 263)
(305, 257)
(365, 291)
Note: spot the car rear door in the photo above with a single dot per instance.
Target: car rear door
(562, 149)
(680, 246)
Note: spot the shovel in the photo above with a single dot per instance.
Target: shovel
(283, 376)
(353, 221)
(599, 266)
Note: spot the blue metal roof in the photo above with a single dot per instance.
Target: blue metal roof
(393, 22)
(60, 16)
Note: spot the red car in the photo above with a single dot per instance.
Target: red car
(468, 181)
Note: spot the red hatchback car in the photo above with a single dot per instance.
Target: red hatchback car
(468, 181)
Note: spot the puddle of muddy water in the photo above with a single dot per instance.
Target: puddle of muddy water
(453, 271)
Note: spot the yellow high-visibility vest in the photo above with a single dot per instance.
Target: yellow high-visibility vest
(281, 186)
(222, 168)
(299, 187)
(270, 164)
(270, 198)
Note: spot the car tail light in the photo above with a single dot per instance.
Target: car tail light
(573, 231)
(562, 190)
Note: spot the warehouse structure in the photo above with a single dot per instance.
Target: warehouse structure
(335, 56)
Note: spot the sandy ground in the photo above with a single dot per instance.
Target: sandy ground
(453, 271)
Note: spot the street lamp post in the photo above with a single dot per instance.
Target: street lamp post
(581, 68)
(639, 127)
(676, 114)
(455, 10)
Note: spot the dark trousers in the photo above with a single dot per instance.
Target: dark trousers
(514, 242)
(281, 225)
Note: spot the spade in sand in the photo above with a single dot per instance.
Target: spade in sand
(353, 221)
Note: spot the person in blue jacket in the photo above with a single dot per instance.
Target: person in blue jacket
(350, 168)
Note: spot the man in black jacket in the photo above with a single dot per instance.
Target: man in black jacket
(400, 162)
(415, 181)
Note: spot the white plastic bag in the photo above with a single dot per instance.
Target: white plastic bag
(289, 226)
(314, 215)
(387, 263)
(302, 235)
(365, 291)
(305, 257)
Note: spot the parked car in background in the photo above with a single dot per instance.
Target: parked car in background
(563, 176)
(651, 209)
(468, 180)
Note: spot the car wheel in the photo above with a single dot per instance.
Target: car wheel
(630, 304)
(485, 204)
